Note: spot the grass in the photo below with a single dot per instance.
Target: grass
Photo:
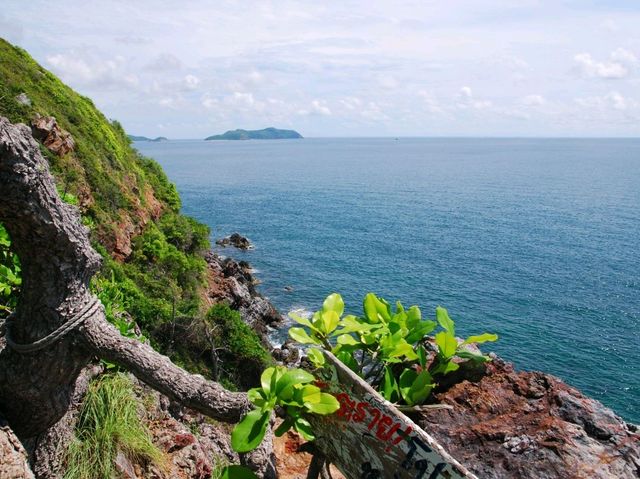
(109, 423)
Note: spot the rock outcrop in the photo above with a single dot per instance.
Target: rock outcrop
(46, 130)
(232, 282)
(531, 425)
(236, 240)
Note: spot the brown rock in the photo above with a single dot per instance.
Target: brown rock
(531, 425)
(236, 240)
(46, 130)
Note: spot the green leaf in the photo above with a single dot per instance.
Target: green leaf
(304, 428)
(445, 321)
(445, 367)
(284, 427)
(481, 338)
(389, 386)
(421, 388)
(330, 320)
(352, 324)
(348, 340)
(348, 360)
(257, 397)
(237, 472)
(321, 403)
(447, 344)
(265, 380)
(414, 316)
(376, 309)
(249, 432)
(420, 330)
(422, 356)
(291, 378)
(333, 303)
(407, 378)
(300, 320)
(316, 357)
(301, 336)
(463, 353)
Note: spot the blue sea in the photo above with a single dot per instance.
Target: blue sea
(537, 240)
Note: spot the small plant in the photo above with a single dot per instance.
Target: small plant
(109, 423)
(10, 275)
(388, 347)
(294, 392)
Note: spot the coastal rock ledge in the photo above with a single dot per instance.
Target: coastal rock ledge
(531, 425)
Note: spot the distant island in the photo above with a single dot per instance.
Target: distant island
(144, 138)
(266, 134)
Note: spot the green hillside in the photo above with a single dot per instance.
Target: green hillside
(154, 270)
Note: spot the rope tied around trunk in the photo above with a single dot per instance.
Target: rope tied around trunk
(85, 313)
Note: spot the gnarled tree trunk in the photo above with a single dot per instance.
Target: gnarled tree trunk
(58, 262)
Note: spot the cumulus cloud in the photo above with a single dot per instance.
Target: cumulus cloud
(616, 67)
(165, 62)
(316, 107)
(612, 100)
(466, 100)
(93, 70)
(191, 82)
(534, 100)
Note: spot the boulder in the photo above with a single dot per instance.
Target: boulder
(236, 240)
(46, 130)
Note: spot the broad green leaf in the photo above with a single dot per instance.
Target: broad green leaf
(406, 380)
(333, 303)
(265, 380)
(304, 429)
(376, 309)
(330, 320)
(420, 330)
(348, 360)
(249, 432)
(414, 316)
(481, 338)
(237, 472)
(316, 357)
(445, 367)
(322, 403)
(399, 307)
(300, 320)
(421, 388)
(348, 340)
(445, 321)
(473, 356)
(257, 397)
(389, 386)
(352, 324)
(301, 336)
(292, 377)
(284, 427)
(447, 344)
(422, 356)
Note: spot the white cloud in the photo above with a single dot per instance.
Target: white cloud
(592, 68)
(165, 62)
(320, 107)
(611, 101)
(90, 70)
(624, 56)
(191, 82)
(467, 100)
(534, 100)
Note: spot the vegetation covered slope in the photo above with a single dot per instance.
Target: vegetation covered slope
(154, 269)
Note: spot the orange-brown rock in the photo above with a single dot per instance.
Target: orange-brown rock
(57, 140)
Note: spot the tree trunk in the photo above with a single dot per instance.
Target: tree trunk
(36, 388)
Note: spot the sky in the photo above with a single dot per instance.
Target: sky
(189, 69)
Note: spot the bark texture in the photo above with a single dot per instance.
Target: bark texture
(36, 389)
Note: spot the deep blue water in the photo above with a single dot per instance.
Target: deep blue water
(537, 240)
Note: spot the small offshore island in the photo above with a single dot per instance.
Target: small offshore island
(144, 138)
(264, 134)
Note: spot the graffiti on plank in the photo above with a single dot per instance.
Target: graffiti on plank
(368, 438)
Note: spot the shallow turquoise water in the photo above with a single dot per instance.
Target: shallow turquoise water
(537, 240)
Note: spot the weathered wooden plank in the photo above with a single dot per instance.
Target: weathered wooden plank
(369, 438)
